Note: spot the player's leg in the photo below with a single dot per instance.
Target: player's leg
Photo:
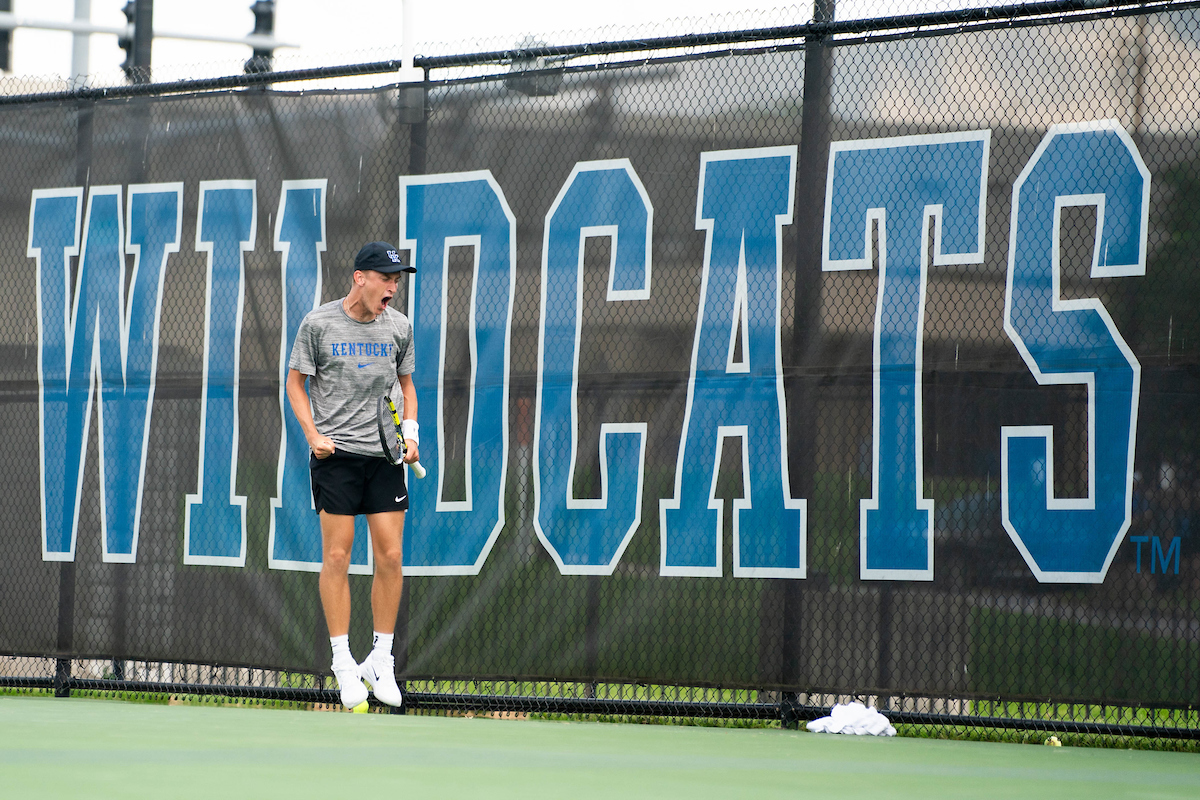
(387, 531)
(385, 500)
(337, 538)
(337, 491)
(379, 668)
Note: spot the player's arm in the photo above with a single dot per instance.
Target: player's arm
(409, 391)
(322, 446)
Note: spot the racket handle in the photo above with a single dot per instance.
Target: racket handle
(417, 469)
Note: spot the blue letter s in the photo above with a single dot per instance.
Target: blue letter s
(1073, 540)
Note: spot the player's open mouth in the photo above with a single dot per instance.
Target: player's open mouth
(387, 298)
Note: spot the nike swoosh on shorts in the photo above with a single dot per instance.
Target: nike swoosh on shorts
(400, 499)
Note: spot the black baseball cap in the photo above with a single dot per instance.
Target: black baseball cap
(381, 257)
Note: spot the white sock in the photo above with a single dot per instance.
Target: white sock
(383, 643)
(341, 647)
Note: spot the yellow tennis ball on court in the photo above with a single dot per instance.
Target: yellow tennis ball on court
(362, 707)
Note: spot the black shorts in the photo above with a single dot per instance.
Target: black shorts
(349, 484)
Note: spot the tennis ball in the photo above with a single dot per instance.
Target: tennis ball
(1054, 742)
(361, 708)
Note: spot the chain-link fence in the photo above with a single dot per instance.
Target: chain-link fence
(758, 370)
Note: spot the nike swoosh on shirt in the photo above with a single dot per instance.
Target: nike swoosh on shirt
(360, 366)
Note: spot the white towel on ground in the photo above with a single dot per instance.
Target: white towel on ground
(853, 718)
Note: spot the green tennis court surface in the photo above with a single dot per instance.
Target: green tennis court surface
(79, 748)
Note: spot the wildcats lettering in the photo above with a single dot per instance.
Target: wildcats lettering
(102, 350)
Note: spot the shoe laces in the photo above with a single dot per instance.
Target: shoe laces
(345, 666)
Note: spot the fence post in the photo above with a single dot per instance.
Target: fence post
(65, 639)
(814, 148)
(417, 121)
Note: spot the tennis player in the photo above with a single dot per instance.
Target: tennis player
(350, 352)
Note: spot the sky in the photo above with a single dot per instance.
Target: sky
(344, 31)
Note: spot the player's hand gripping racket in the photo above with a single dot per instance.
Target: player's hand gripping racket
(392, 437)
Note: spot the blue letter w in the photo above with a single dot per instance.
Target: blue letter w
(102, 337)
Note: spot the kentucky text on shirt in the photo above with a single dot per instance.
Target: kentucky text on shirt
(358, 349)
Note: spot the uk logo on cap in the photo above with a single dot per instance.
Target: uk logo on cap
(381, 256)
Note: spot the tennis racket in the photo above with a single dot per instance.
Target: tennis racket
(391, 437)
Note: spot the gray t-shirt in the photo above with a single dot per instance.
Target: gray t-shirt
(350, 364)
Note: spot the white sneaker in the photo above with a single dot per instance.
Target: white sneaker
(379, 671)
(352, 689)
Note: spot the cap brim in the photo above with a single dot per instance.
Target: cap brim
(388, 269)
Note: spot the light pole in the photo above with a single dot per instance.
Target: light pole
(81, 43)
(138, 40)
(6, 40)
(264, 25)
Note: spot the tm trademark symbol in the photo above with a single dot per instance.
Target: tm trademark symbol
(1158, 558)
